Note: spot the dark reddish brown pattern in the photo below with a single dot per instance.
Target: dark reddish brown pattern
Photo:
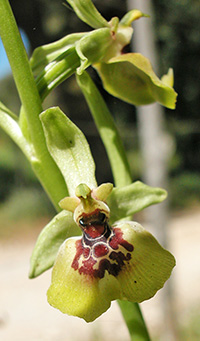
(101, 248)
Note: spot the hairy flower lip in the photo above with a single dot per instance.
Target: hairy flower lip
(89, 274)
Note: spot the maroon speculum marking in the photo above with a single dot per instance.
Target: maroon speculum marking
(101, 247)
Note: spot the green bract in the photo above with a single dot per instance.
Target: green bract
(57, 71)
(128, 76)
(46, 54)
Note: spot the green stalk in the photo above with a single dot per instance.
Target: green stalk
(134, 320)
(42, 163)
(122, 176)
(107, 130)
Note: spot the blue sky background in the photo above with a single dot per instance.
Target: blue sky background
(4, 64)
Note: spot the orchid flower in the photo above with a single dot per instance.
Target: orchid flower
(128, 76)
(108, 262)
(97, 253)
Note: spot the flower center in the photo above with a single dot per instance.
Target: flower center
(101, 247)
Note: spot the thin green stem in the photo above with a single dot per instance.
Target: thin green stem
(122, 176)
(42, 163)
(134, 321)
(107, 130)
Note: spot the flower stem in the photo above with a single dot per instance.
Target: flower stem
(42, 163)
(107, 130)
(134, 321)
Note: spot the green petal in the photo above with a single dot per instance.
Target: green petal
(69, 203)
(130, 77)
(131, 16)
(69, 148)
(62, 226)
(77, 294)
(88, 13)
(126, 201)
(168, 79)
(102, 191)
(150, 265)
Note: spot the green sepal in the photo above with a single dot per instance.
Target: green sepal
(45, 54)
(69, 149)
(94, 47)
(131, 78)
(61, 227)
(88, 13)
(128, 200)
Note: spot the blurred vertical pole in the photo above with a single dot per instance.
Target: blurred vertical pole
(155, 147)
